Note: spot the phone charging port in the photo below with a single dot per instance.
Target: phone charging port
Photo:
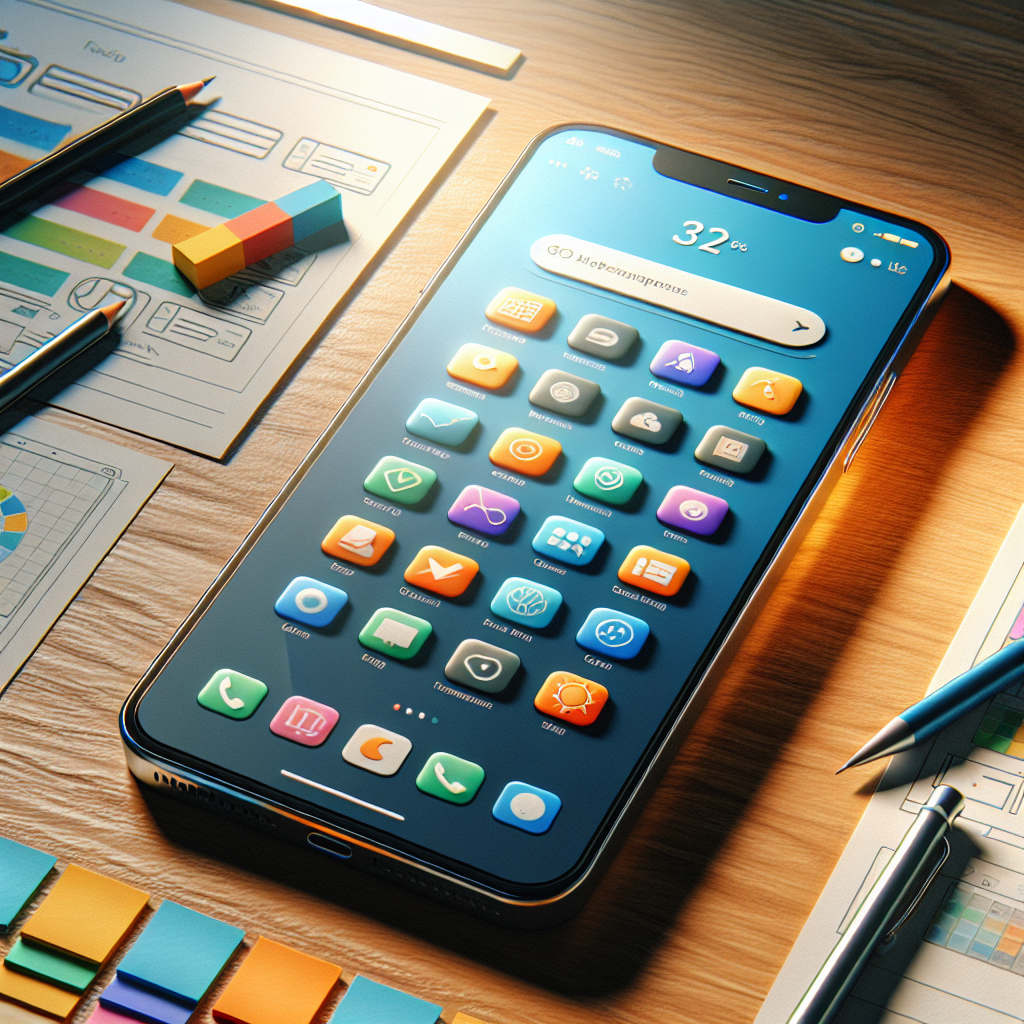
(335, 847)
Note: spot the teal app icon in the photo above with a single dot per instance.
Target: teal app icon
(441, 422)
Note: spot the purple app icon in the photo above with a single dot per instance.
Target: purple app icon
(685, 363)
(484, 510)
(693, 510)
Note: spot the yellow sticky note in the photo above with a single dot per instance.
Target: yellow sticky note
(86, 915)
(276, 985)
(464, 1018)
(39, 995)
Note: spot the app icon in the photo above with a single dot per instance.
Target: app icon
(601, 336)
(484, 510)
(441, 571)
(310, 601)
(529, 604)
(566, 540)
(770, 392)
(693, 510)
(481, 666)
(357, 540)
(378, 750)
(304, 721)
(520, 310)
(525, 452)
(486, 367)
(613, 633)
(729, 449)
(685, 363)
(614, 483)
(653, 570)
(647, 421)
(526, 807)
(232, 694)
(399, 480)
(442, 422)
(395, 633)
(450, 778)
(564, 393)
(571, 698)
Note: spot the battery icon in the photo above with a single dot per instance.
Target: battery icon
(889, 237)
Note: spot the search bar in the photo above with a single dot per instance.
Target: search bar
(661, 285)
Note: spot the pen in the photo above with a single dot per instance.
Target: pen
(945, 705)
(60, 349)
(77, 154)
(899, 886)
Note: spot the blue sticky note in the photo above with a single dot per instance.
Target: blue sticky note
(22, 869)
(180, 953)
(369, 1002)
(142, 1004)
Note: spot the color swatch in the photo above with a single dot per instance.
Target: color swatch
(157, 272)
(79, 245)
(102, 206)
(35, 277)
(31, 131)
(144, 175)
(11, 164)
(973, 923)
(176, 229)
(1002, 730)
(22, 869)
(216, 199)
(369, 1002)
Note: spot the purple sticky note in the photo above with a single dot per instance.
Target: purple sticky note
(484, 510)
(142, 1004)
(693, 510)
(680, 361)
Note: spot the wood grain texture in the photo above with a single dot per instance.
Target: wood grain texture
(911, 105)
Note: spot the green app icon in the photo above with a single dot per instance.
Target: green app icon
(399, 480)
(450, 778)
(232, 694)
(395, 633)
(614, 483)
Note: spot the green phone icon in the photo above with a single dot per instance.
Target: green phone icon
(450, 778)
(232, 694)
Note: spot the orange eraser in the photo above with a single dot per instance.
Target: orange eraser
(263, 231)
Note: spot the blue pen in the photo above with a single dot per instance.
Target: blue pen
(945, 705)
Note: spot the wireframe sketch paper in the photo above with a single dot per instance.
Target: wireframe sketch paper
(65, 499)
(960, 958)
(192, 368)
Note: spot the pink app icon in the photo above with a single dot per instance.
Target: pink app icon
(304, 721)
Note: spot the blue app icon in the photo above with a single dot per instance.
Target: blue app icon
(613, 633)
(310, 601)
(441, 422)
(528, 603)
(526, 807)
(568, 541)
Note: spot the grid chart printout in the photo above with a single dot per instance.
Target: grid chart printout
(960, 958)
(72, 496)
(192, 367)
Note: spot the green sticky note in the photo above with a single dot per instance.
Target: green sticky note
(400, 480)
(450, 778)
(49, 966)
(395, 633)
(79, 245)
(232, 694)
(220, 201)
(22, 870)
(613, 483)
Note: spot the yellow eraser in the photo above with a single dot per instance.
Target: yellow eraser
(210, 257)
(20, 988)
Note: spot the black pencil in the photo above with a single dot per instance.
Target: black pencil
(76, 155)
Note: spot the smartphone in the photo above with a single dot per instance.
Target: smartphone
(462, 643)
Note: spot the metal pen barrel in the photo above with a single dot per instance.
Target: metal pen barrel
(876, 914)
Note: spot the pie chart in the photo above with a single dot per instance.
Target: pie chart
(13, 522)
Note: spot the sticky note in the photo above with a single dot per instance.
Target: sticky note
(101, 1015)
(464, 1018)
(143, 1004)
(180, 953)
(13, 1014)
(276, 985)
(46, 965)
(369, 1002)
(85, 915)
(23, 869)
(39, 995)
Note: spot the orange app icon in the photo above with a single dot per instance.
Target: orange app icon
(654, 570)
(358, 540)
(483, 366)
(520, 310)
(441, 571)
(525, 452)
(767, 391)
(571, 698)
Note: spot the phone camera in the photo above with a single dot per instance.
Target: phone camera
(851, 254)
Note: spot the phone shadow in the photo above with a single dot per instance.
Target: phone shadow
(736, 743)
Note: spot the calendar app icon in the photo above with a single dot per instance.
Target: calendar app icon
(520, 310)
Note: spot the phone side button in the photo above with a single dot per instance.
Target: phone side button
(867, 420)
(328, 844)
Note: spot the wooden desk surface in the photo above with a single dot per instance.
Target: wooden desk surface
(911, 105)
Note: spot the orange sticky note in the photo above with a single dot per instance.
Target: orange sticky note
(464, 1018)
(57, 1002)
(86, 915)
(276, 985)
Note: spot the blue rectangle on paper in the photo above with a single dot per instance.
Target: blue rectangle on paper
(369, 1002)
(22, 870)
(31, 131)
(142, 174)
(180, 953)
(142, 1004)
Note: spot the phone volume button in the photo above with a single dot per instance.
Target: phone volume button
(868, 417)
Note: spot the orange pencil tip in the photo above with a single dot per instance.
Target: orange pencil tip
(190, 91)
(111, 311)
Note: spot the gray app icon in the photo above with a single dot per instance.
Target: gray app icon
(602, 336)
(481, 666)
(647, 421)
(731, 450)
(564, 393)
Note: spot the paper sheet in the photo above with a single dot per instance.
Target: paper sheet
(960, 959)
(192, 369)
(65, 499)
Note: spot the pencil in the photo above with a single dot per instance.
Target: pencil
(80, 152)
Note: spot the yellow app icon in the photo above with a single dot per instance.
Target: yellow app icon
(520, 310)
(767, 390)
(483, 366)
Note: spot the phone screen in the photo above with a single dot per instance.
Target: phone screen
(486, 600)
